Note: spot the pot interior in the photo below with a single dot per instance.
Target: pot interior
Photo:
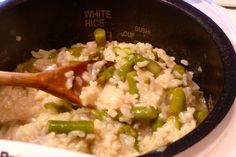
(42, 24)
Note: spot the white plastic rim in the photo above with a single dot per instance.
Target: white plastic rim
(213, 11)
(227, 3)
(21, 149)
(221, 141)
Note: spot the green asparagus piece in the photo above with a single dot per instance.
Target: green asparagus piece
(75, 51)
(116, 49)
(144, 113)
(179, 68)
(161, 60)
(199, 98)
(99, 114)
(125, 69)
(155, 54)
(105, 75)
(95, 56)
(139, 58)
(128, 130)
(154, 68)
(129, 50)
(178, 99)
(59, 108)
(128, 66)
(132, 82)
(130, 58)
(168, 95)
(58, 126)
(200, 116)
(200, 102)
(28, 66)
(157, 124)
(147, 80)
(51, 106)
(175, 120)
(100, 37)
(53, 55)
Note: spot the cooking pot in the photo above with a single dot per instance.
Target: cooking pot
(173, 25)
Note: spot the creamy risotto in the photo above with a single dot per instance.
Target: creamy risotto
(144, 100)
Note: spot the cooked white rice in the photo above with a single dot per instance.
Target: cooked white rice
(113, 97)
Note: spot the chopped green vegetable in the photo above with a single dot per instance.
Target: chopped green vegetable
(130, 58)
(199, 97)
(200, 102)
(105, 75)
(179, 68)
(128, 66)
(154, 68)
(53, 55)
(144, 113)
(125, 69)
(136, 145)
(128, 130)
(28, 66)
(100, 37)
(168, 95)
(157, 124)
(132, 82)
(129, 50)
(116, 49)
(99, 114)
(155, 54)
(178, 99)
(95, 56)
(58, 108)
(200, 116)
(175, 120)
(51, 106)
(139, 58)
(75, 51)
(58, 126)
(161, 60)
(147, 80)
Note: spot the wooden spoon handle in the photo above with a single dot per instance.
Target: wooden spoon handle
(18, 79)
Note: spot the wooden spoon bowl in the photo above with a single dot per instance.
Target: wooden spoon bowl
(52, 81)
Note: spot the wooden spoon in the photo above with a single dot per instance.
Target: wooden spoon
(51, 81)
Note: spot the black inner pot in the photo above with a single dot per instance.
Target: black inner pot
(175, 26)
